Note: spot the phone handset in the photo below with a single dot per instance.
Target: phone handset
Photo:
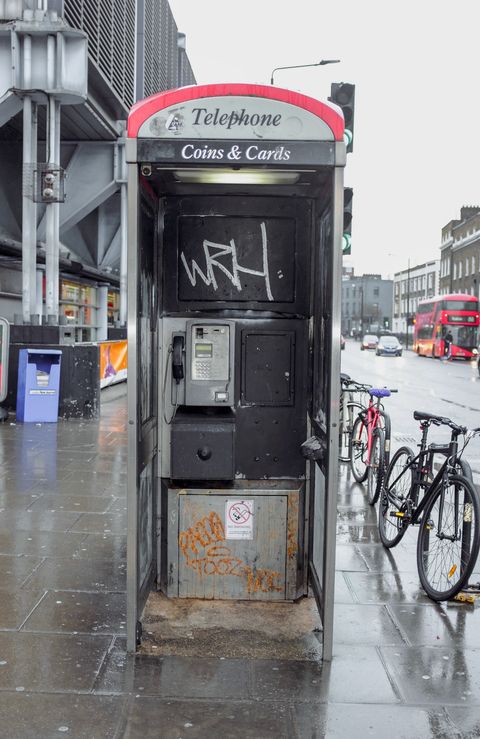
(178, 370)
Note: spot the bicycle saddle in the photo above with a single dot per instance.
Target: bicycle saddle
(379, 392)
(438, 420)
(422, 416)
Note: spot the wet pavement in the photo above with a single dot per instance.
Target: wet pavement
(402, 666)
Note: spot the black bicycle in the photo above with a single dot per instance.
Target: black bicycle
(446, 506)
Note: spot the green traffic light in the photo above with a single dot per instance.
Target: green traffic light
(347, 137)
(346, 244)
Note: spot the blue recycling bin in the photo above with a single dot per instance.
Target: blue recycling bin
(38, 385)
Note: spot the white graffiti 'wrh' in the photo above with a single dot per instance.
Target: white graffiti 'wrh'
(212, 254)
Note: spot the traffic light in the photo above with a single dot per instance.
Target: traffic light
(411, 321)
(347, 220)
(343, 95)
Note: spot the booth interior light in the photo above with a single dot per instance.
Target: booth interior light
(236, 177)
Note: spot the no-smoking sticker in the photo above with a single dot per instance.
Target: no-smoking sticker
(239, 519)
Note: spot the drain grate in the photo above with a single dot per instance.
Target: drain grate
(404, 438)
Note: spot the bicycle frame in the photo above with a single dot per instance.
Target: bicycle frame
(420, 469)
(371, 419)
(350, 406)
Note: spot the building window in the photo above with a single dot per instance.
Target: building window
(455, 271)
(460, 270)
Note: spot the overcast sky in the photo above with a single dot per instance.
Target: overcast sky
(416, 68)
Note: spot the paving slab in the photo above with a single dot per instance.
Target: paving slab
(150, 718)
(403, 665)
(44, 716)
(78, 574)
(78, 612)
(50, 662)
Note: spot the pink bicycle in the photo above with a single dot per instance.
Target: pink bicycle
(370, 448)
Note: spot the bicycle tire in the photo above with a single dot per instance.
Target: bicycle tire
(376, 468)
(396, 489)
(346, 428)
(358, 450)
(444, 566)
(464, 469)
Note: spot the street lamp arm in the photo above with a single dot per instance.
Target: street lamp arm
(302, 66)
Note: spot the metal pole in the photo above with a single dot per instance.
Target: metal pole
(361, 313)
(102, 312)
(123, 241)
(302, 66)
(39, 296)
(408, 304)
(56, 211)
(29, 210)
(51, 221)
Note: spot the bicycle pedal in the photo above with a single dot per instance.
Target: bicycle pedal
(404, 517)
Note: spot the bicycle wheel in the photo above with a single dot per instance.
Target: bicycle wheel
(358, 450)
(449, 538)
(376, 468)
(349, 412)
(396, 488)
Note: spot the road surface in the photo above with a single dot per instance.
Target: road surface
(449, 389)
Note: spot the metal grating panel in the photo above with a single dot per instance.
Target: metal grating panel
(111, 29)
(110, 26)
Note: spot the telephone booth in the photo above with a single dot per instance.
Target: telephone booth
(234, 276)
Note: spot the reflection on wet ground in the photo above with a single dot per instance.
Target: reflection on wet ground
(403, 665)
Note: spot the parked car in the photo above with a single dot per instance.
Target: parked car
(389, 346)
(342, 341)
(369, 341)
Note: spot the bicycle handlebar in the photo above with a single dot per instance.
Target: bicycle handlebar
(352, 385)
(440, 421)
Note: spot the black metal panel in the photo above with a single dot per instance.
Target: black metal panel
(236, 259)
(181, 153)
(147, 318)
(202, 445)
(321, 329)
(268, 365)
(147, 389)
(234, 252)
(146, 548)
(268, 437)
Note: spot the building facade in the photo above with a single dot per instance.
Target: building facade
(409, 287)
(366, 304)
(133, 49)
(460, 254)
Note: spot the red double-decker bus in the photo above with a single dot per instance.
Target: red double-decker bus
(442, 315)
